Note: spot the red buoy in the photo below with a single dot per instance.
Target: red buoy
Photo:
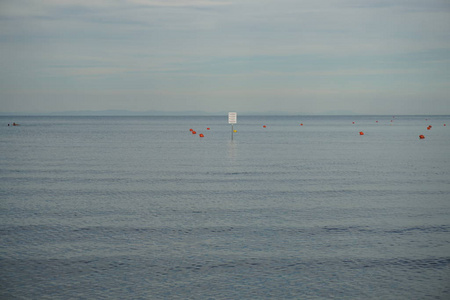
(264, 126)
(301, 124)
(191, 130)
(207, 128)
(201, 135)
(361, 133)
(429, 127)
(194, 132)
(445, 124)
(421, 136)
(353, 122)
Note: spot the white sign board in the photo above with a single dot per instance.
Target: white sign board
(232, 118)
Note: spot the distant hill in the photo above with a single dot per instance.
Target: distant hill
(127, 113)
(112, 113)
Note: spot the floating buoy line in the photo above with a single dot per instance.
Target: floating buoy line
(421, 136)
(195, 132)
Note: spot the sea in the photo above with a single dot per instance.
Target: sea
(286, 207)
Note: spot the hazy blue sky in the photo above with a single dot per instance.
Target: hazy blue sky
(298, 56)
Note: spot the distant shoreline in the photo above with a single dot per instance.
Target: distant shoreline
(121, 113)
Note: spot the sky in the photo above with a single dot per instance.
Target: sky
(292, 56)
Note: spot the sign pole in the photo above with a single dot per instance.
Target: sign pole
(232, 130)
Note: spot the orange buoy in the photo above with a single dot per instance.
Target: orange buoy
(191, 130)
(194, 132)
(264, 126)
(301, 124)
(428, 128)
(421, 136)
(361, 133)
(201, 135)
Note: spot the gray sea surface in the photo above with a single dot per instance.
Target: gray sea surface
(141, 208)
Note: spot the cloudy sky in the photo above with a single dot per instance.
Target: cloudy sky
(296, 56)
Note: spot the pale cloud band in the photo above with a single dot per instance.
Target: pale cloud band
(158, 52)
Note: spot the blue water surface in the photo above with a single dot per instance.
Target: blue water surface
(141, 208)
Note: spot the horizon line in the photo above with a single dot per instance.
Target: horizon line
(125, 113)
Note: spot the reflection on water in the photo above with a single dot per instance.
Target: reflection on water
(232, 148)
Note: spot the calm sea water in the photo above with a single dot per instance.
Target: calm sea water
(140, 208)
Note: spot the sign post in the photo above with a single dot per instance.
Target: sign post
(232, 119)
